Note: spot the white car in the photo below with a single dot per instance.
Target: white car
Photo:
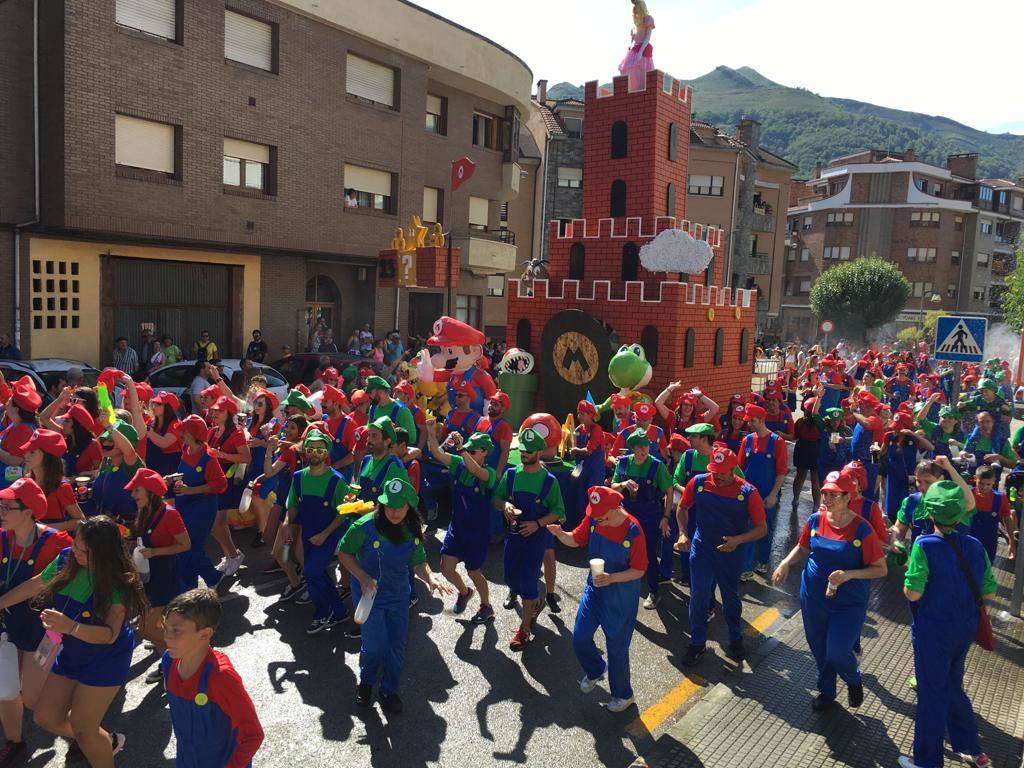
(177, 378)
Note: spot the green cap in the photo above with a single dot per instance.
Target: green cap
(377, 382)
(639, 437)
(398, 493)
(944, 502)
(298, 400)
(879, 383)
(530, 441)
(125, 429)
(999, 376)
(835, 413)
(949, 412)
(703, 428)
(385, 425)
(479, 441)
(316, 436)
(988, 383)
(350, 373)
(918, 407)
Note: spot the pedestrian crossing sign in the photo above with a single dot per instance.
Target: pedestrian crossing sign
(960, 339)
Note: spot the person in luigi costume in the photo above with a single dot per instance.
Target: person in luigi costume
(469, 532)
(378, 550)
(948, 573)
(987, 400)
(531, 499)
(120, 463)
(382, 404)
(379, 464)
(937, 438)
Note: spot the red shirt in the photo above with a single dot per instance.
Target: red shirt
(57, 503)
(214, 473)
(877, 428)
(806, 429)
(652, 433)
(348, 434)
(616, 534)
(287, 454)
(225, 690)
(413, 469)
(983, 503)
(596, 437)
(361, 418)
(501, 433)
(52, 547)
(755, 504)
(874, 516)
(16, 437)
(870, 546)
(91, 458)
(167, 529)
(761, 446)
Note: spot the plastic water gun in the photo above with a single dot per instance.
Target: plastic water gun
(103, 396)
(355, 506)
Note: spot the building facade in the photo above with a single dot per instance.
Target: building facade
(217, 166)
(952, 235)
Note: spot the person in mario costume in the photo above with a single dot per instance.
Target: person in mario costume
(461, 347)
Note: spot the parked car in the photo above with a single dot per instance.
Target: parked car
(47, 373)
(301, 367)
(177, 378)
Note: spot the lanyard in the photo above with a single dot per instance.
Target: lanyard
(11, 568)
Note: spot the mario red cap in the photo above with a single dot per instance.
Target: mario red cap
(166, 398)
(80, 415)
(866, 399)
(619, 400)
(585, 406)
(678, 443)
(463, 386)
(362, 433)
(195, 426)
(808, 405)
(334, 395)
(272, 399)
(502, 399)
(359, 397)
(722, 460)
(365, 371)
(25, 395)
(25, 490)
(212, 391)
(736, 398)
(144, 391)
(405, 388)
(149, 479)
(838, 483)
(857, 471)
(688, 398)
(449, 332)
(901, 367)
(330, 372)
(224, 403)
(902, 421)
(755, 412)
(109, 378)
(774, 394)
(601, 500)
(303, 389)
(47, 441)
(829, 360)
(644, 411)
(905, 407)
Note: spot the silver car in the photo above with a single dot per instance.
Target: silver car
(177, 378)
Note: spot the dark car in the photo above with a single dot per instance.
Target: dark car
(301, 368)
(47, 373)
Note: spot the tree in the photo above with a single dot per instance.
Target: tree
(1013, 298)
(860, 295)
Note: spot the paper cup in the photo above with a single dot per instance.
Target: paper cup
(597, 566)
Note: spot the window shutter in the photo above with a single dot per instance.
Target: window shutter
(157, 17)
(434, 104)
(143, 144)
(570, 174)
(429, 204)
(368, 180)
(248, 41)
(370, 81)
(246, 150)
(478, 211)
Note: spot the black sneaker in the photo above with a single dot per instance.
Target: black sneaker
(822, 702)
(354, 632)
(12, 752)
(693, 654)
(304, 598)
(257, 541)
(390, 703)
(483, 614)
(290, 593)
(364, 695)
(552, 600)
(736, 651)
(344, 592)
(462, 601)
(333, 621)
(510, 601)
(317, 626)
(855, 694)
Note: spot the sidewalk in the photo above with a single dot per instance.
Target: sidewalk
(763, 717)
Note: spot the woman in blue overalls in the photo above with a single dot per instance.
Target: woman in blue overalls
(261, 425)
(96, 594)
(588, 452)
(611, 597)
(163, 446)
(843, 555)
(900, 460)
(120, 462)
(195, 498)
(760, 470)
(947, 575)
(378, 550)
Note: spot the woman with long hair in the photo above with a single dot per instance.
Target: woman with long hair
(96, 594)
(20, 412)
(44, 463)
(262, 424)
(162, 444)
(83, 455)
(228, 445)
(158, 527)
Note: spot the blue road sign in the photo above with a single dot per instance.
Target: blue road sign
(960, 339)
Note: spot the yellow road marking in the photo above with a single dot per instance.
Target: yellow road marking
(763, 620)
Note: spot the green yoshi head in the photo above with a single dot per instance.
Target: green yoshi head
(628, 368)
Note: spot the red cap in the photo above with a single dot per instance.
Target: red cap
(362, 433)
(463, 385)
(644, 411)
(149, 479)
(225, 403)
(272, 400)
(865, 398)
(585, 406)
(902, 421)
(722, 460)
(144, 391)
(359, 397)
(502, 399)
(905, 407)
(619, 400)
(688, 398)
(736, 398)
(196, 427)
(166, 398)
(365, 371)
(828, 360)
(857, 471)
(844, 403)
(25, 490)
(755, 412)
(838, 483)
(678, 443)
(330, 372)
(901, 367)
(109, 377)
(47, 441)
(79, 414)
(407, 389)
(601, 500)
(334, 395)
(809, 404)
(774, 394)
(449, 332)
(25, 395)
(212, 391)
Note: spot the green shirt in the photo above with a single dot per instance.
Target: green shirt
(1017, 435)
(468, 479)
(903, 517)
(984, 445)
(531, 482)
(172, 354)
(403, 418)
(371, 469)
(355, 537)
(916, 578)
(79, 588)
(316, 485)
(108, 466)
(636, 471)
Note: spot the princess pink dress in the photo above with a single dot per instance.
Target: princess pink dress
(637, 65)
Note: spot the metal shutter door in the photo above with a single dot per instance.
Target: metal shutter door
(157, 17)
(248, 41)
(370, 81)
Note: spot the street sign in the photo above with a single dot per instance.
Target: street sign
(827, 326)
(960, 339)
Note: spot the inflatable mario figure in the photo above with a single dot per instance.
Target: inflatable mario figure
(461, 347)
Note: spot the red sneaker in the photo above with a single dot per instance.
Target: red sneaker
(519, 640)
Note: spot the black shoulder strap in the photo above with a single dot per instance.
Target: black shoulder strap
(966, 568)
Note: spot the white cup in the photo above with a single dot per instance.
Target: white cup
(597, 566)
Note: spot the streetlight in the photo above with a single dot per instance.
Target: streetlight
(934, 299)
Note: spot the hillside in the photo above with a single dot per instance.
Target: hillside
(804, 127)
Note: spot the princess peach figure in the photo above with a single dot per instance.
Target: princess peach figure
(640, 57)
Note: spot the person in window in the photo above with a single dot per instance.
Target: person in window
(145, 346)
(125, 359)
(352, 345)
(257, 350)
(172, 352)
(351, 201)
(204, 349)
(393, 348)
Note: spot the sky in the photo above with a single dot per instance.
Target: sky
(941, 57)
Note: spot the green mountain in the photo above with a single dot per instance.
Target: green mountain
(804, 127)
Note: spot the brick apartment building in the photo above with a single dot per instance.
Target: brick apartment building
(952, 235)
(227, 166)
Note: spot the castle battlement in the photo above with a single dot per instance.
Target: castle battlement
(632, 227)
(619, 86)
(636, 291)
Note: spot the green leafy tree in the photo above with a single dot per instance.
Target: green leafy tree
(1013, 297)
(860, 295)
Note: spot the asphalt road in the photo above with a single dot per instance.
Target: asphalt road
(468, 699)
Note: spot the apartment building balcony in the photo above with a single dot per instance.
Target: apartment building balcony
(762, 222)
(490, 252)
(759, 264)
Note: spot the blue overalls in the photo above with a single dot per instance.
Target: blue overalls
(206, 736)
(164, 581)
(985, 525)
(776, 422)
(369, 491)
(232, 495)
(97, 664)
(339, 450)
(833, 625)
(831, 397)
(648, 508)
(612, 608)
(759, 469)
(900, 463)
(435, 475)
(498, 519)
(860, 449)
(717, 516)
(108, 494)
(396, 406)
(592, 473)
(523, 555)
(899, 391)
(198, 512)
(919, 525)
(255, 469)
(832, 458)
(158, 460)
(997, 441)
(469, 533)
(20, 622)
(731, 439)
(944, 623)
(386, 628)
(315, 513)
(941, 439)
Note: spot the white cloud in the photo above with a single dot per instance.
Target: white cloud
(674, 250)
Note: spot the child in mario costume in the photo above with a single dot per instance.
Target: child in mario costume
(461, 347)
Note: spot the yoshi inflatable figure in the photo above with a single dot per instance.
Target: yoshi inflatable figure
(629, 371)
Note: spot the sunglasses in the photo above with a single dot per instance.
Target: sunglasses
(107, 446)
(317, 450)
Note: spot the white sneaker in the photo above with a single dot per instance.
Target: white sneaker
(587, 685)
(234, 563)
(222, 565)
(619, 705)
(747, 576)
(651, 602)
(117, 741)
(907, 762)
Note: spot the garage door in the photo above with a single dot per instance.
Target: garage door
(179, 298)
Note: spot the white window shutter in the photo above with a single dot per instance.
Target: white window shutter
(248, 41)
(478, 211)
(367, 180)
(370, 80)
(429, 204)
(157, 17)
(143, 144)
(246, 150)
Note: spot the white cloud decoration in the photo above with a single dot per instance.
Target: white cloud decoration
(674, 250)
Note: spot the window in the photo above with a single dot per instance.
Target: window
(954, 257)
(433, 205)
(985, 193)
(840, 219)
(617, 206)
(246, 165)
(951, 290)
(982, 259)
(368, 188)
(620, 141)
(670, 200)
(958, 223)
(370, 81)
(486, 132)
(805, 254)
(496, 285)
(978, 294)
(789, 288)
(673, 140)
(744, 346)
(922, 289)
(936, 189)
(690, 348)
(479, 212)
(808, 223)
(564, 225)
(924, 218)
(573, 127)
(924, 255)
(248, 41)
(503, 214)
(791, 254)
(1018, 202)
(577, 261)
(467, 309)
(985, 226)
(719, 346)
(155, 17)
(437, 114)
(523, 334)
(1002, 197)
(706, 185)
(630, 261)
(805, 286)
(570, 177)
(56, 299)
(145, 144)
